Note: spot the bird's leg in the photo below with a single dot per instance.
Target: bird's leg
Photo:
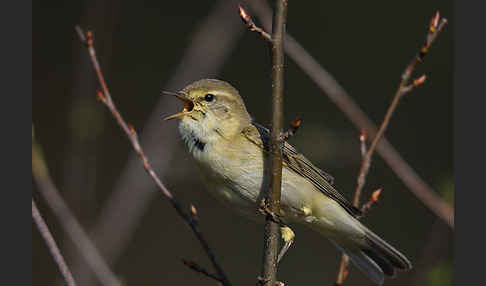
(287, 234)
(265, 210)
(288, 237)
(262, 282)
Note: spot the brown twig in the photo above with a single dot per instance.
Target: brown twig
(375, 196)
(251, 25)
(343, 265)
(105, 97)
(271, 232)
(294, 126)
(68, 221)
(124, 209)
(341, 98)
(404, 87)
(197, 268)
(52, 246)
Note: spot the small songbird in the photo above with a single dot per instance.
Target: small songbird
(230, 149)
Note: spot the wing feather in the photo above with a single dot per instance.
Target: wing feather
(297, 162)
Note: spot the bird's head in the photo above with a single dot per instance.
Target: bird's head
(213, 109)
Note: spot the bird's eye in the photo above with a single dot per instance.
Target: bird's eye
(209, 97)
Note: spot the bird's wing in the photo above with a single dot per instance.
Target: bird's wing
(301, 165)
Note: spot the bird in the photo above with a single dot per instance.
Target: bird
(230, 149)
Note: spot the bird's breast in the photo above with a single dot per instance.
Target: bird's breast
(232, 171)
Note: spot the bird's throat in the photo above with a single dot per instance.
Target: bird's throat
(194, 143)
(198, 144)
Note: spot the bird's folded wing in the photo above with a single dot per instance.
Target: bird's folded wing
(301, 165)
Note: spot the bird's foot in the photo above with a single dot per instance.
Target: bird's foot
(288, 236)
(263, 282)
(264, 209)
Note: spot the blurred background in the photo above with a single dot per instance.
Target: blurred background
(148, 46)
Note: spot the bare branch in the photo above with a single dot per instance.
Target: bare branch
(271, 235)
(105, 97)
(343, 265)
(434, 29)
(68, 221)
(124, 208)
(197, 268)
(403, 88)
(251, 25)
(375, 196)
(341, 98)
(52, 246)
(343, 270)
(294, 126)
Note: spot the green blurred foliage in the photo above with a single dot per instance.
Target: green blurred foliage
(441, 275)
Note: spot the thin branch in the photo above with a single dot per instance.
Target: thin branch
(340, 97)
(404, 87)
(124, 209)
(343, 270)
(251, 25)
(271, 233)
(343, 265)
(52, 246)
(294, 126)
(68, 220)
(105, 97)
(375, 196)
(197, 268)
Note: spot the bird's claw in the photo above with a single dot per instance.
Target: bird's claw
(264, 209)
(288, 237)
(263, 282)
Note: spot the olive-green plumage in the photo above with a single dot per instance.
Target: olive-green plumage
(230, 150)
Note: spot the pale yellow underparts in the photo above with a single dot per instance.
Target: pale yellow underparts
(233, 167)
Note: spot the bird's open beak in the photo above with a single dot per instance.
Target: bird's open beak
(188, 104)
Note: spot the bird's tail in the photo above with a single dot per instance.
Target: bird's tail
(376, 258)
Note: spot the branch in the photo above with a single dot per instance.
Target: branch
(105, 97)
(251, 25)
(339, 96)
(343, 265)
(52, 246)
(375, 196)
(294, 126)
(196, 268)
(123, 210)
(68, 221)
(271, 235)
(405, 87)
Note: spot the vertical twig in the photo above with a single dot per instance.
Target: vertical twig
(271, 235)
(341, 98)
(52, 246)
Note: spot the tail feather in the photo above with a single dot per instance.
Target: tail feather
(384, 264)
(376, 258)
(364, 263)
(386, 251)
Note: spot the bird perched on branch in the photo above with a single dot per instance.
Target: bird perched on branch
(230, 149)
